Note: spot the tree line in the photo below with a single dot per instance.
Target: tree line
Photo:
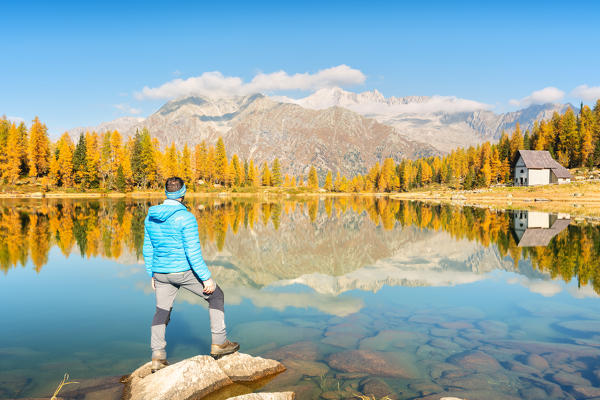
(111, 162)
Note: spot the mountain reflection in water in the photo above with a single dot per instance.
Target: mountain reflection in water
(342, 243)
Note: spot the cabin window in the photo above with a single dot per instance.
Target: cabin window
(521, 171)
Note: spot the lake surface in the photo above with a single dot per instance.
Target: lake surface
(354, 295)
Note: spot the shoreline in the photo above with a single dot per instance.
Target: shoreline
(579, 199)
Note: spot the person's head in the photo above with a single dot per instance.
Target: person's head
(175, 188)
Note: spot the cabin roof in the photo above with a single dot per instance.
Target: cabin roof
(542, 159)
(534, 237)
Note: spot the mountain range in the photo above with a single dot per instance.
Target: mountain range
(332, 129)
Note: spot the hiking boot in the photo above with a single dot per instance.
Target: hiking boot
(158, 364)
(219, 350)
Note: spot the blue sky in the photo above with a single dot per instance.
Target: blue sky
(74, 63)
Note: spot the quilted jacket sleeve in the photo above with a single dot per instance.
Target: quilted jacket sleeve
(147, 250)
(191, 244)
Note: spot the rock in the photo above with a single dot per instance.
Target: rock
(586, 392)
(475, 360)
(109, 388)
(372, 362)
(493, 329)
(376, 388)
(265, 396)
(442, 332)
(390, 339)
(240, 367)
(567, 379)
(196, 376)
(537, 362)
(456, 325)
(345, 340)
(581, 326)
(307, 351)
(308, 368)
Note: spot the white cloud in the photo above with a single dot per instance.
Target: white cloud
(16, 120)
(549, 94)
(127, 109)
(216, 84)
(586, 93)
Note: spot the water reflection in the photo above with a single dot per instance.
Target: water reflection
(446, 298)
(290, 242)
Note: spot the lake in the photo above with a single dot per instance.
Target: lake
(354, 295)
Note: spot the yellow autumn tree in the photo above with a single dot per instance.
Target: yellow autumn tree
(11, 168)
(39, 149)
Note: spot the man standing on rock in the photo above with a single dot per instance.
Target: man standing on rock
(174, 260)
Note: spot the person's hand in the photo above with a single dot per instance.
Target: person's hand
(209, 286)
(153, 284)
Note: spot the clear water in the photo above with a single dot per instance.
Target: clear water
(354, 295)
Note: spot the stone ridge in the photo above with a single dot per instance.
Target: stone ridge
(196, 377)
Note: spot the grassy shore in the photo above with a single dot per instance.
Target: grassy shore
(577, 198)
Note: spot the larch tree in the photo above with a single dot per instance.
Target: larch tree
(313, 178)
(12, 160)
(276, 178)
(92, 158)
(186, 165)
(64, 161)
(39, 149)
(170, 161)
(265, 175)
(221, 163)
(328, 182)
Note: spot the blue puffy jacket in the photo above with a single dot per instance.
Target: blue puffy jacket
(171, 242)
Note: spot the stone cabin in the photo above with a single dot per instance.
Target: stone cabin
(536, 167)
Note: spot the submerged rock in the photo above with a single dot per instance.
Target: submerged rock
(377, 388)
(475, 360)
(197, 376)
(265, 396)
(371, 362)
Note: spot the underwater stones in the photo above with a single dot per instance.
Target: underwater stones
(587, 392)
(388, 339)
(265, 396)
(371, 362)
(442, 332)
(308, 368)
(493, 329)
(376, 388)
(307, 351)
(444, 344)
(425, 388)
(537, 362)
(427, 352)
(257, 333)
(426, 319)
(438, 368)
(345, 340)
(456, 325)
(581, 326)
(570, 379)
(475, 360)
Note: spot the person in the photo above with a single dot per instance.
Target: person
(173, 259)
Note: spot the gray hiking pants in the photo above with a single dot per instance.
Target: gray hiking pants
(167, 286)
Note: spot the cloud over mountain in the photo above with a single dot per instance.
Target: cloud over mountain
(549, 94)
(586, 92)
(216, 84)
